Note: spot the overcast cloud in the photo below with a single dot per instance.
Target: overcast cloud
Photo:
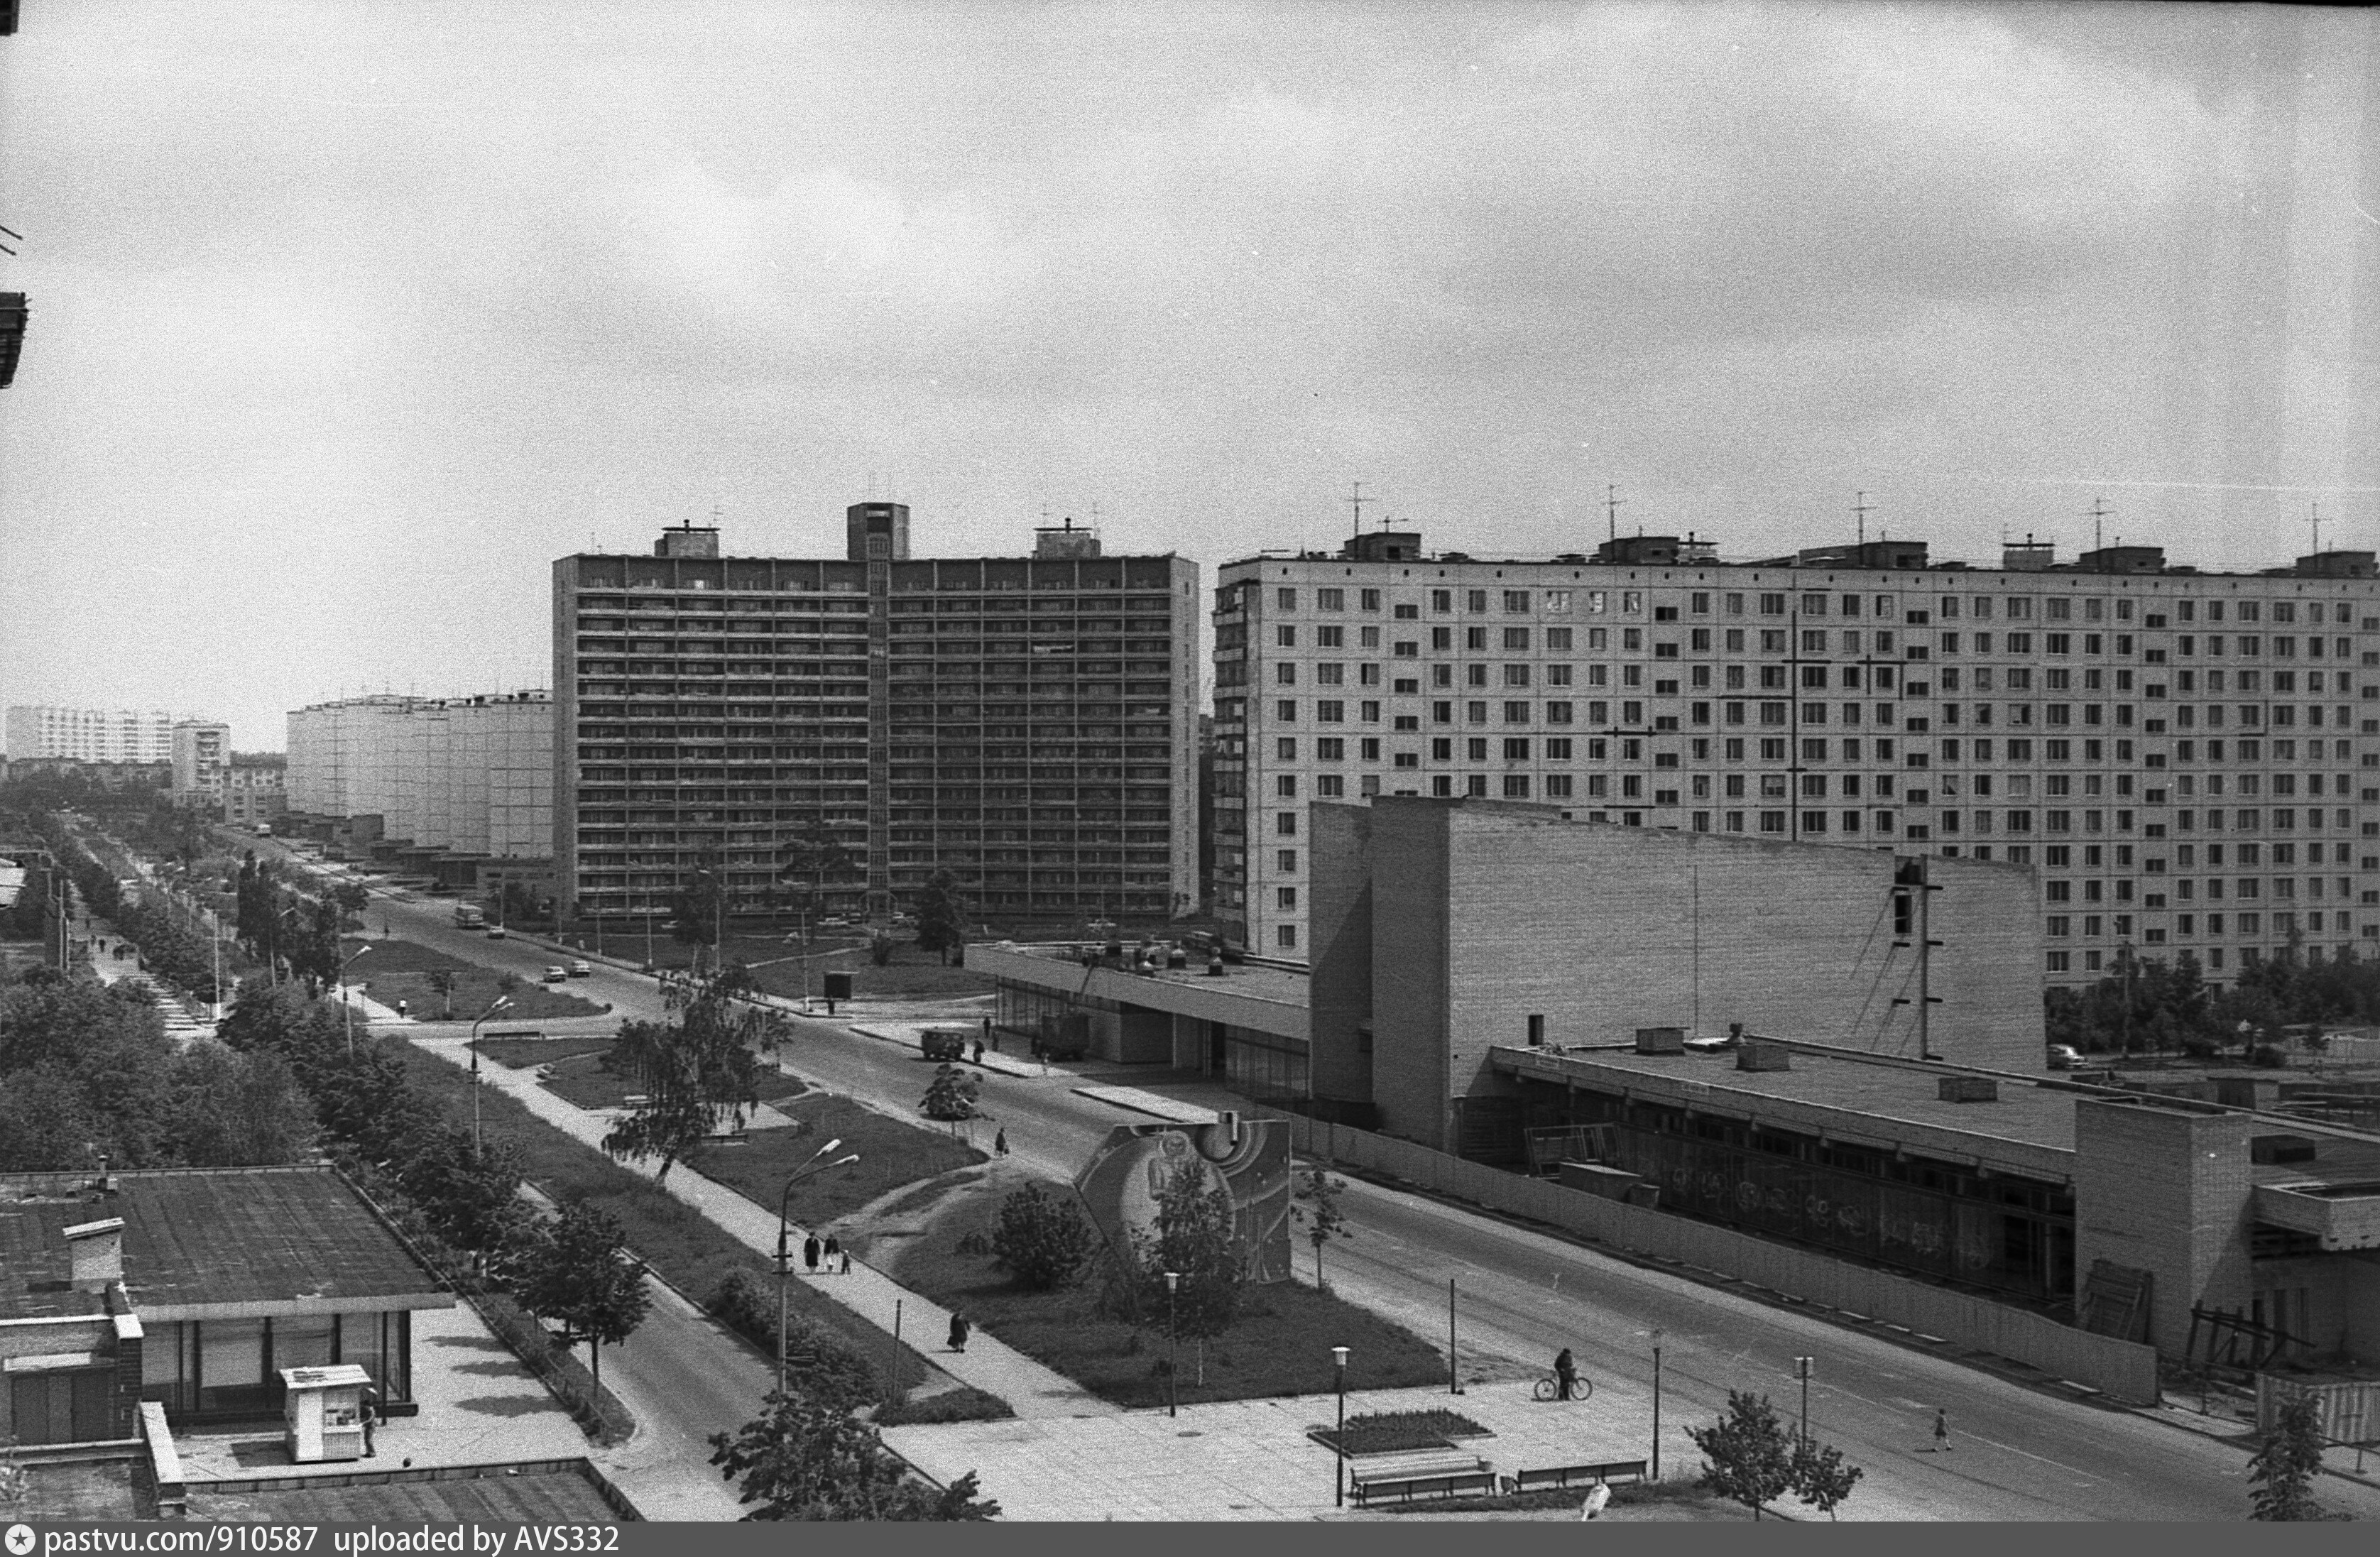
(348, 317)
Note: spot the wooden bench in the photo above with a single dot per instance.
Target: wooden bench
(1434, 1472)
(1562, 1476)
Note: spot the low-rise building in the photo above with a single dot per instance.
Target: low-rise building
(255, 788)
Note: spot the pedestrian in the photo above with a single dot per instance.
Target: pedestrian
(1941, 1431)
(1592, 1508)
(401, 1009)
(959, 1328)
(999, 1143)
(834, 1253)
(369, 1415)
(1566, 1373)
(990, 1037)
(811, 1253)
(846, 1263)
(978, 1050)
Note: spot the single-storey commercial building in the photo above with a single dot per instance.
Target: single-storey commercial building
(194, 1288)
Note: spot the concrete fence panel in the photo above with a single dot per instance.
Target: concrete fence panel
(2125, 1370)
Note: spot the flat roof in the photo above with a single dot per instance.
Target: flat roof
(211, 1243)
(1878, 1103)
(1272, 999)
(528, 1494)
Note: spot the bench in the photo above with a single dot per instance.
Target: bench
(1432, 1472)
(1562, 1476)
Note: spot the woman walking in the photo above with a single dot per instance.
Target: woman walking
(811, 1253)
(959, 1328)
(834, 1253)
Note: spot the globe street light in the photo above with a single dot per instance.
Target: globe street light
(784, 1250)
(1338, 1359)
(502, 1002)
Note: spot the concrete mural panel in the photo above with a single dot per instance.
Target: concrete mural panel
(1246, 1159)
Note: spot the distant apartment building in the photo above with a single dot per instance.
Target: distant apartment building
(2186, 760)
(856, 724)
(255, 788)
(472, 778)
(201, 760)
(90, 734)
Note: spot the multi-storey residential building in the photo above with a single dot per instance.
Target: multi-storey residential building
(201, 758)
(255, 788)
(854, 726)
(473, 776)
(90, 734)
(2186, 760)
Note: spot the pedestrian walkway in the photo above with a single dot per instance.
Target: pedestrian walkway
(1030, 1389)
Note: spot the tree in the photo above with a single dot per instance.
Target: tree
(692, 1070)
(879, 948)
(1319, 1214)
(2283, 1470)
(1750, 1460)
(811, 862)
(350, 898)
(1820, 1477)
(951, 1096)
(235, 1110)
(942, 915)
(443, 982)
(699, 908)
(808, 1458)
(575, 1270)
(1042, 1240)
(1193, 1237)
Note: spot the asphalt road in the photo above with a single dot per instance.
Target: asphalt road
(2018, 1453)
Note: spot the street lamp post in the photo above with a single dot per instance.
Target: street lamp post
(502, 1002)
(1657, 1405)
(785, 1249)
(1173, 1362)
(1802, 1370)
(1339, 1489)
(344, 1005)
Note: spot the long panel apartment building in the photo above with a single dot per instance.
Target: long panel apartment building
(2185, 758)
(469, 776)
(849, 726)
(90, 734)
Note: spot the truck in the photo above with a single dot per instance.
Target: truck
(469, 916)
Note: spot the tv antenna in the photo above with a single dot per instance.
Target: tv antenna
(1355, 500)
(2316, 506)
(1860, 511)
(2099, 511)
(1611, 501)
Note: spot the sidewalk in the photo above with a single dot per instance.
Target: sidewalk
(1031, 1390)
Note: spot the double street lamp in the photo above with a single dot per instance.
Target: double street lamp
(785, 1249)
(500, 1003)
(345, 1004)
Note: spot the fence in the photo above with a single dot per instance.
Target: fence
(2125, 1370)
(2348, 1410)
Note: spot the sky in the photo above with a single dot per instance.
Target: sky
(347, 319)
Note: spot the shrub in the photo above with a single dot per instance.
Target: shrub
(1041, 1240)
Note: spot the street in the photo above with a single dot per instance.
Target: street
(2018, 1453)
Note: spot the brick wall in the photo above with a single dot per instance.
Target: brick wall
(1339, 933)
(1413, 915)
(2165, 1192)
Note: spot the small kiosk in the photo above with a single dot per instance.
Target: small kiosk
(325, 1410)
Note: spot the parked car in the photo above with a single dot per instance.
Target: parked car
(495, 932)
(579, 969)
(2064, 1056)
(556, 974)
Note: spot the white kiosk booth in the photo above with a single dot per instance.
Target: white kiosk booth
(325, 1410)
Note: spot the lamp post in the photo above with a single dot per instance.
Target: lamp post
(1657, 1405)
(344, 1006)
(784, 1250)
(1802, 1371)
(1338, 1486)
(1173, 1362)
(501, 1002)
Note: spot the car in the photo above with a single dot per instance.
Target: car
(556, 974)
(2064, 1056)
(495, 932)
(579, 969)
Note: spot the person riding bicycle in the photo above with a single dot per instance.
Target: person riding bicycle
(1566, 1372)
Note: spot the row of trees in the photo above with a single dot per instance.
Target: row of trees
(2150, 1005)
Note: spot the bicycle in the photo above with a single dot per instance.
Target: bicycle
(1550, 1388)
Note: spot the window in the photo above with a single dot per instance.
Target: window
(1558, 786)
(1331, 600)
(1516, 713)
(1330, 786)
(1516, 601)
(1287, 860)
(1286, 786)
(1284, 897)
(1286, 635)
(1326, 637)
(1329, 711)
(1285, 710)
(1285, 823)
(1285, 935)
(1285, 748)
(1370, 600)
(1516, 786)
(1330, 748)
(1516, 749)
(1558, 602)
(1288, 598)
(1441, 599)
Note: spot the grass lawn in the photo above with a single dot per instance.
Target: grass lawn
(911, 973)
(528, 1053)
(395, 970)
(1280, 1346)
(891, 1153)
(686, 1247)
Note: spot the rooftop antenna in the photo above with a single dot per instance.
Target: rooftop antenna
(2099, 511)
(2316, 506)
(1611, 501)
(12, 233)
(1860, 511)
(1356, 502)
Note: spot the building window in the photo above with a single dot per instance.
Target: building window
(1285, 935)
(1558, 786)
(1285, 710)
(1516, 786)
(1285, 897)
(1287, 860)
(1288, 598)
(1330, 786)
(1285, 823)
(1286, 786)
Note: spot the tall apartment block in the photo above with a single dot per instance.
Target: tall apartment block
(201, 761)
(856, 724)
(2186, 760)
(470, 776)
(90, 734)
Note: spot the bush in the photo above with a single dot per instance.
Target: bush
(2269, 1056)
(745, 1305)
(966, 1404)
(1041, 1240)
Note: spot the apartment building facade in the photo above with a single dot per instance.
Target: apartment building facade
(852, 726)
(201, 761)
(90, 734)
(2186, 760)
(471, 775)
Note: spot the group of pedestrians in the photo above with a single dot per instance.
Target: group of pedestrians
(830, 1255)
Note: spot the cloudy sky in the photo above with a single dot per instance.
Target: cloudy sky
(348, 317)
